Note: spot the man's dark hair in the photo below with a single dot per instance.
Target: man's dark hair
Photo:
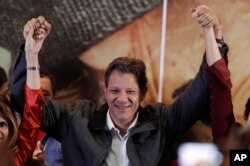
(3, 76)
(46, 73)
(247, 109)
(129, 65)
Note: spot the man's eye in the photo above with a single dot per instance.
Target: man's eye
(3, 124)
(114, 91)
(131, 92)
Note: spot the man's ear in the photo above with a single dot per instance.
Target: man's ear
(143, 94)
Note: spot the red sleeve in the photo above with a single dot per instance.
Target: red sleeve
(221, 101)
(30, 125)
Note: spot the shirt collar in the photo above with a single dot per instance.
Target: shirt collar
(111, 125)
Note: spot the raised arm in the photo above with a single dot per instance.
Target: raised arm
(35, 31)
(190, 106)
(30, 124)
(19, 73)
(219, 81)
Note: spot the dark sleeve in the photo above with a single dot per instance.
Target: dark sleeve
(60, 118)
(221, 100)
(193, 103)
(17, 81)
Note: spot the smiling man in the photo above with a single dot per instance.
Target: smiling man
(125, 87)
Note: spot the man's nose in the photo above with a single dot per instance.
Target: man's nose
(123, 96)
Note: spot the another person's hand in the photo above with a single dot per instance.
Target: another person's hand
(37, 23)
(35, 32)
(37, 157)
(206, 18)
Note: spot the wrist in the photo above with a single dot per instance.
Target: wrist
(208, 29)
(218, 35)
(218, 32)
(32, 59)
(221, 42)
(32, 62)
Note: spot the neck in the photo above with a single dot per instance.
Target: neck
(122, 128)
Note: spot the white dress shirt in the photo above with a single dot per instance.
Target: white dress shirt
(118, 154)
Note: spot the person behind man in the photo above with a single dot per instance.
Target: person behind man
(121, 132)
(8, 124)
(49, 150)
(8, 132)
(18, 143)
(4, 88)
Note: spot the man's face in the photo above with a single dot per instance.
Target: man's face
(4, 130)
(123, 97)
(46, 87)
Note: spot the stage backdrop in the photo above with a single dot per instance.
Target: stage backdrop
(87, 35)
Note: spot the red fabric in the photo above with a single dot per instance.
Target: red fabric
(41, 135)
(221, 101)
(29, 128)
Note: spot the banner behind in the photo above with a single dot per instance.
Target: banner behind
(85, 39)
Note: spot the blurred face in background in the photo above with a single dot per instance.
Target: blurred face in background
(46, 86)
(4, 130)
